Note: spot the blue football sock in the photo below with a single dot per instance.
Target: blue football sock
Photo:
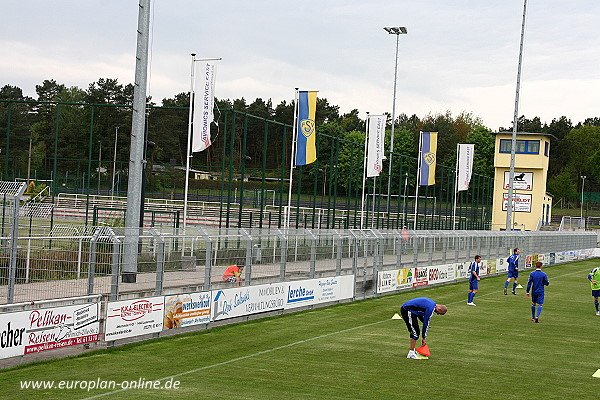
(505, 284)
(514, 286)
(469, 298)
(596, 304)
(539, 310)
(532, 311)
(473, 296)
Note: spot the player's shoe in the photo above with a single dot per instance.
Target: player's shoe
(597, 312)
(513, 292)
(536, 320)
(471, 304)
(505, 293)
(413, 354)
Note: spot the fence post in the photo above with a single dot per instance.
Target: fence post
(444, 249)
(354, 253)
(115, 262)
(12, 272)
(115, 268)
(284, 250)
(313, 253)
(160, 261)
(378, 259)
(337, 240)
(208, 256)
(92, 261)
(248, 263)
(415, 240)
(354, 240)
(431, 244)
(398, 247)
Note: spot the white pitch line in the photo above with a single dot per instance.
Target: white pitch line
(245, 357)
(286, 346)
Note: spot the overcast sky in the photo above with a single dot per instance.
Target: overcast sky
(458, 55)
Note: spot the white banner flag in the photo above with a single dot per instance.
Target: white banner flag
(204, 100)
(464, 168)
(375, 145)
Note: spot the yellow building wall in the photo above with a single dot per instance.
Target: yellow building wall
(529, 169)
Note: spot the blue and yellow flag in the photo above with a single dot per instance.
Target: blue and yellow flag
(306, 143)
(428, 158)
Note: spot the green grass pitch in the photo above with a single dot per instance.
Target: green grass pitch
(356, 351)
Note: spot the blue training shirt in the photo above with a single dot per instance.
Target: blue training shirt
(538, 280)
(513, 262)
(422, 307)
(474, 267)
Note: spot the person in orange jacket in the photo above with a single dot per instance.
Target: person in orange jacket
(233, 273)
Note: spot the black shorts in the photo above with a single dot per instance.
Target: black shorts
(412, 322)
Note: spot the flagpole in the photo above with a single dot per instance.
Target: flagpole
(418, 178)
(190, 132)
(373, 201)
(455, 188)
(292, 161)
(362, 205)
(189, 144)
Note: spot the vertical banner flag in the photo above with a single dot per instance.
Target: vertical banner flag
(428, 158)
(375, 145)
(204, 100)
(306, 143)
(464, 168)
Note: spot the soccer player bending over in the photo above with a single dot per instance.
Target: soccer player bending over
(537, 280)
(421, 308)
(594, 278)
(513, 270)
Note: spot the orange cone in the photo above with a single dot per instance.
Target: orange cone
(424, 350)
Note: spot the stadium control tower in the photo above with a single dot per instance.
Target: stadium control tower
(532, 204)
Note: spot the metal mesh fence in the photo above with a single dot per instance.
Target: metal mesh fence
(241, 181)
(78, 260)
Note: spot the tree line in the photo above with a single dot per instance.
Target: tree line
(575, 147)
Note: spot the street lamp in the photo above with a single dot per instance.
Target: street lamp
(324, 180)
(582, 184)
(99, 163)
(112, 188)
(29, 159)
(396, 30)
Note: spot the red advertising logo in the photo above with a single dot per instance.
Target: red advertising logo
(136, 310)
(421, 277)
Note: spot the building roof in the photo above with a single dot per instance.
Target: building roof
(527, 133)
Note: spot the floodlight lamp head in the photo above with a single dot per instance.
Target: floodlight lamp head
(396, 30)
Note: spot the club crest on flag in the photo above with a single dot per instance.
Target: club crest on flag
(429, 158)
(305, 136)
(307, 126)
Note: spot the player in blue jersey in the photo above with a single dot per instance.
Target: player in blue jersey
(513, 271)
(421, 308)
(474, 280)
(537, 281)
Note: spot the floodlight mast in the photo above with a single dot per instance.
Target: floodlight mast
(136, 152)
(393, 30)
(513, 144)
